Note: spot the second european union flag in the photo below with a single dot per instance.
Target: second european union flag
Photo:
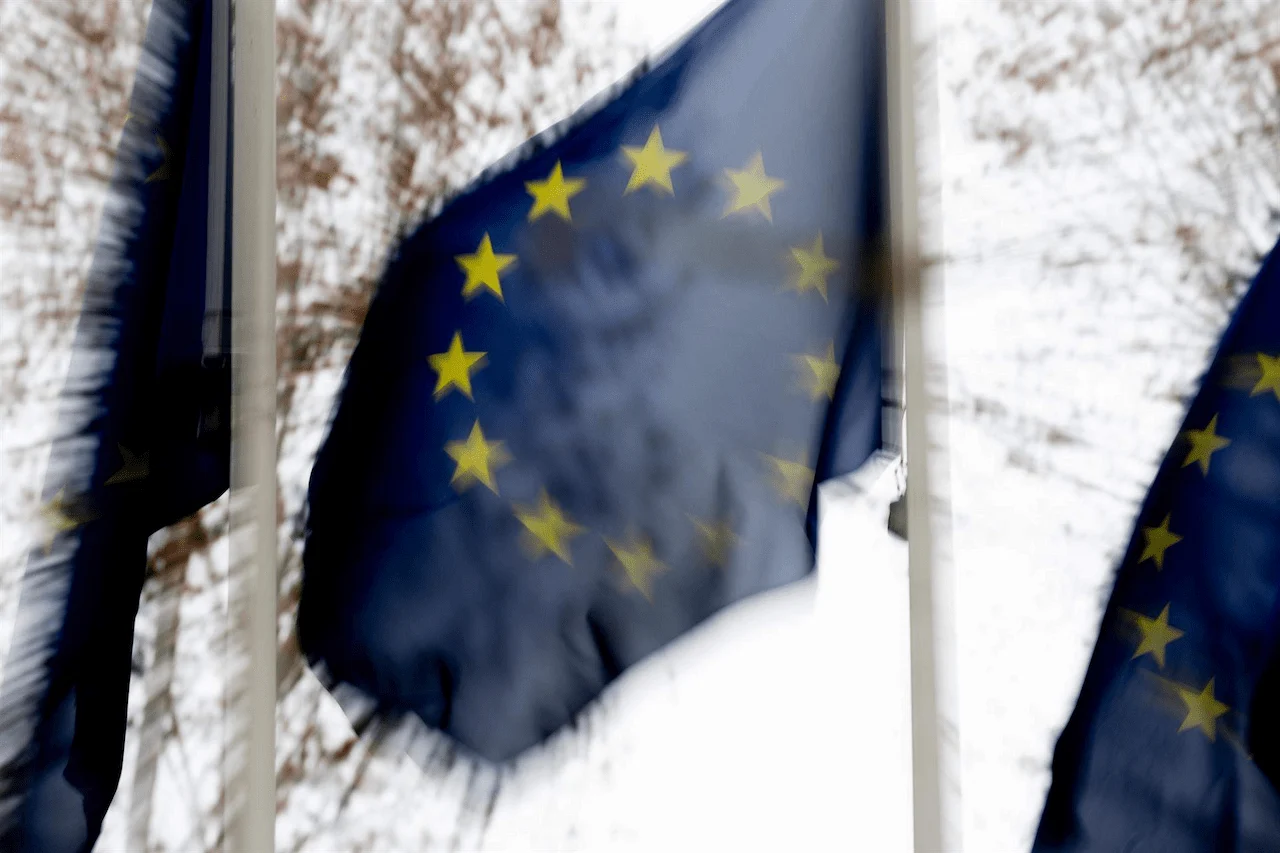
(593, 396)
(1174, 744)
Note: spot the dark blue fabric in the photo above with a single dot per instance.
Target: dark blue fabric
(1125, 778)
(643, 365)
(140, 380)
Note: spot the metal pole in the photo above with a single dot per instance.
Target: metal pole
(251, 794)
(934, 731)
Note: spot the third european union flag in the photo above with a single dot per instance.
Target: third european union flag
(1174, 745)
(144, 435)
(593, 396)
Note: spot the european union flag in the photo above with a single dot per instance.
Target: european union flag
(593, 396)
(143, 439)
(1173, 743)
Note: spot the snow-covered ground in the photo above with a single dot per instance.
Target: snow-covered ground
(784, 723)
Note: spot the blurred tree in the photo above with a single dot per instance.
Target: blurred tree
(1144, 138)
(64, 87)
(1179, 104)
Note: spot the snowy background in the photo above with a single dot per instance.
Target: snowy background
(1100, 177)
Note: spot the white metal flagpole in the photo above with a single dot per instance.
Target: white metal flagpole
(250, 796)
(934, 709)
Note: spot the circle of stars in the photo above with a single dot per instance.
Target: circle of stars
(548, 530)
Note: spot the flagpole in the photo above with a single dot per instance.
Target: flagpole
(934, 707)
(250, 797)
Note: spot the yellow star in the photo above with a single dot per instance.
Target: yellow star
(1159, 539)
(549, 529)
(717, 540)
(1203, 710)
(60, 517)
(638, 562)
(454, 368)
(1270, 380)
(1204, 443)
(752, 188)
(814, 265)
(476, 459)
(553, 194)
(1156, 634)
(162, 173)
(144, 120)
(819, 373)
(483, 269)
(652, 164)
(793, 480)
(136, 466)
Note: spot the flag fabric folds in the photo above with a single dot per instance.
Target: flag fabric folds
(1173, 742)
(593, 396)
(143, 441)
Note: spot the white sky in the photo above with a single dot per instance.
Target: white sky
(655, 23)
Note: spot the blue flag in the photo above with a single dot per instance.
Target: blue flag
(143, 438)
(593, 396)
(1172, 745)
